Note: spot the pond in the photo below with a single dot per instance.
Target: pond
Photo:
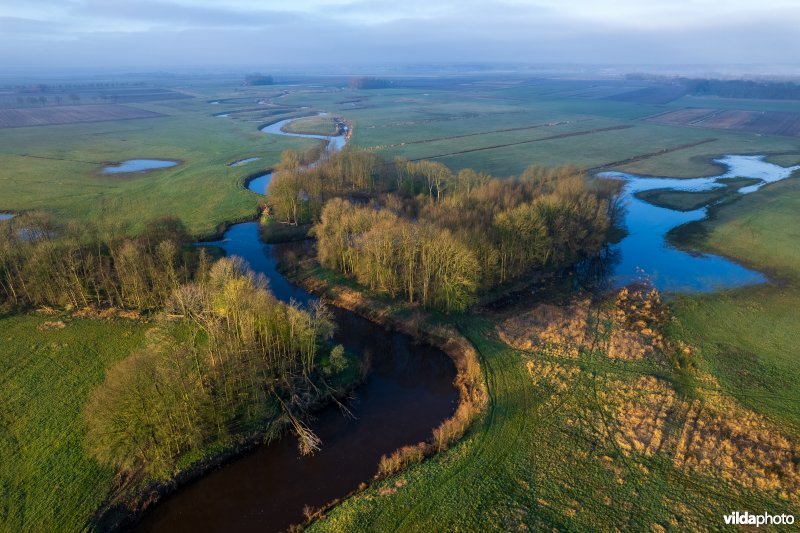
(241, 162)
(138, 165)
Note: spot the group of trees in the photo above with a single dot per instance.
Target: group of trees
(299, 189)
(226, 358)
(43, 263)
(543, 218)
(368, 82)
(422, 262)
(258, 79)
(438, 237)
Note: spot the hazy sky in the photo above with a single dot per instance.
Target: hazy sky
(163, 33)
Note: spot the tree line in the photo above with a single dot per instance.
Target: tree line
(46, 263)
(772, 90)
(224, 358)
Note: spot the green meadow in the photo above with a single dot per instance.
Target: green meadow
(49, 365)
(546, 454)
(749, 337)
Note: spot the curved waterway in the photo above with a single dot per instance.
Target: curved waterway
(335, 143)
(644, 252)
(408, 391)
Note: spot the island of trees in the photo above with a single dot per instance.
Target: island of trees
(419, 231)
(368, 82)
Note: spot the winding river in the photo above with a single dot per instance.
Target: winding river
(334, 143)
(408, 391)
(409, 388)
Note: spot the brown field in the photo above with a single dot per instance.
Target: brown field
(69, 114)
(762, 122)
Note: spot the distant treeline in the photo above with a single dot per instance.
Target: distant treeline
(437, 237)
(770, 90)
(367, 82)
(258, 79)
(44, 87)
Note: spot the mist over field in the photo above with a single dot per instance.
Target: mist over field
(128, 34)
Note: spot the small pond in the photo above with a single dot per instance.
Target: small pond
(138, 165)
(241, 162)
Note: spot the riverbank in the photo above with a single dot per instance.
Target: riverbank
(422, 326)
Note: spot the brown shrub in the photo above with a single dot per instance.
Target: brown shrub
(628, 327)
(725, 440)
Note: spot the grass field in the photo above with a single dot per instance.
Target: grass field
(551, 453)
(56, 168)
(553, 450)
(500, 127)
(47, 482)
(313, 125)
(749, 337)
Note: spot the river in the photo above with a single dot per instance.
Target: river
(645, 253)
(408, 391)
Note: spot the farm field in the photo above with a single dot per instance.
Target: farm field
(760, 122)
(41, 116)
(498, 127)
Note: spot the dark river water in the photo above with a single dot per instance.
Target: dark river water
(408, 392)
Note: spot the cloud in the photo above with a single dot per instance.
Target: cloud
(317, 32)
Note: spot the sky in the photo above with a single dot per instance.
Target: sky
(106, 34)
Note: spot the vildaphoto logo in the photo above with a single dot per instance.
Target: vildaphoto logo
(765, 519)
